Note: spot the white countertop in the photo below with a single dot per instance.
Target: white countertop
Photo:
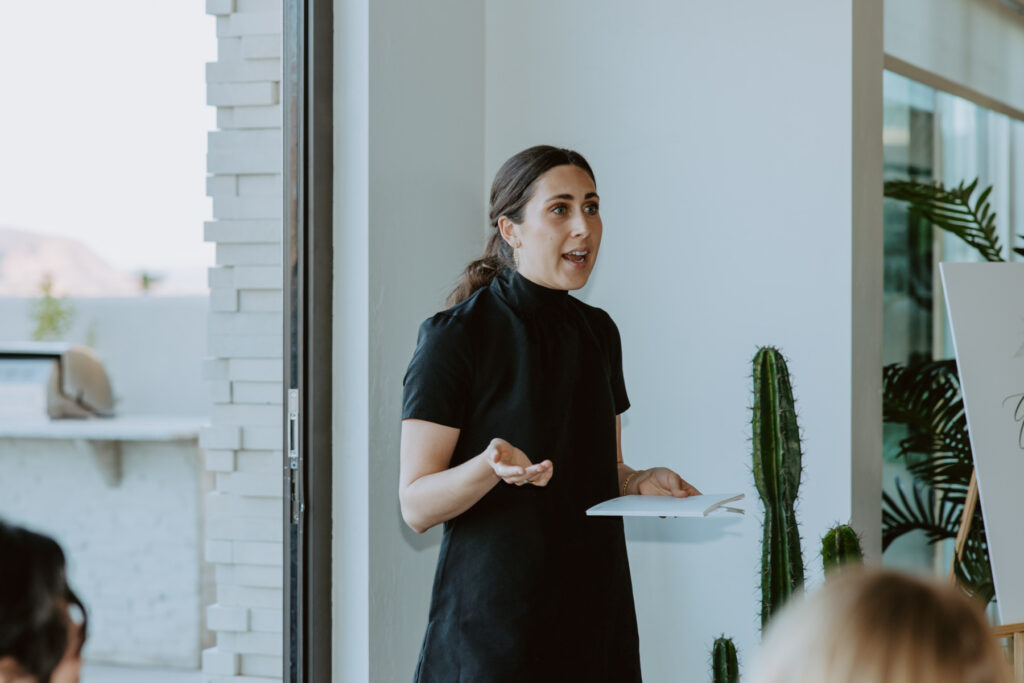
(120, 428)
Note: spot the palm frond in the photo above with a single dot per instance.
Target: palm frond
(925, 398)
(949, 476)
(950, 209)
(920, 512)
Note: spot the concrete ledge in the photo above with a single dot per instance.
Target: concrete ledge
(121, 428)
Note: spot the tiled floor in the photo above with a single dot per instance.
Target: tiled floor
(102, 673)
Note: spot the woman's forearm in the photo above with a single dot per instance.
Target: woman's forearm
(438, 497)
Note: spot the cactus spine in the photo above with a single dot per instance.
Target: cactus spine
(777, 470)
(725, 667)
(840, 546)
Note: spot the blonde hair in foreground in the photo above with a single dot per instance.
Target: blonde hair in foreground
(871, 626)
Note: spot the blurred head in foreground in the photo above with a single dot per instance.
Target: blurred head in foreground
(42, 622)
(871, 626)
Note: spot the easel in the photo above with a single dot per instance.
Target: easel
(1015, 631)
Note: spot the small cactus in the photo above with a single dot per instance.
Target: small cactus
(839, 546)
(777, 470)
(725, 667)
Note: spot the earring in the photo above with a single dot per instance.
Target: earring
(515, 256)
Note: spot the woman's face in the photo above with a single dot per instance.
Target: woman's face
(560, 232)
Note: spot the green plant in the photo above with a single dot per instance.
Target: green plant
(52, 316)
(951, 209)
(147, 280)
(725, 666)
(840, 546)
(777, 470)
(925, 397)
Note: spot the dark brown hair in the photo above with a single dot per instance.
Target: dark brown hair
(34, 597)
(510, 192)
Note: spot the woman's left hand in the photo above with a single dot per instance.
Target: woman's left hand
(661, 481)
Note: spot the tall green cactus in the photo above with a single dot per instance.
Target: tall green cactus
(777, 472)
(725, 667)
(840, 546)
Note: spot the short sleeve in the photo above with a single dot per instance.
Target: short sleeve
(438, 382)
(618, 381)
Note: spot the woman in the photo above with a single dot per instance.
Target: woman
(875, 626)
(510, 432)
(42, 623)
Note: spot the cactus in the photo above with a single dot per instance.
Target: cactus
(724, 666)
(839, 546)
(777, 471)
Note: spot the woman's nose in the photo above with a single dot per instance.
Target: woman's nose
(580, 225)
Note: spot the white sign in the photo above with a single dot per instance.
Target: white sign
(986, 311)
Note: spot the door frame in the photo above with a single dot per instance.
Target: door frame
(308, 258)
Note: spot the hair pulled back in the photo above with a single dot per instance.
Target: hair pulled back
(34, 596)
(511, 190)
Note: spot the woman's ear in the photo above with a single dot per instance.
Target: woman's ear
(508, 231)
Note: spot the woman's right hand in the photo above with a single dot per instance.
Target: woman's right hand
(513, 467)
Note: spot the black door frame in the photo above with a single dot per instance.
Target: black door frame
(308, 255)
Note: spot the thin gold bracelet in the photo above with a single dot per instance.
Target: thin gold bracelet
(625, 484)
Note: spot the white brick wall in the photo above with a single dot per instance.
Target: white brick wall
(134, 550)
(244, 369)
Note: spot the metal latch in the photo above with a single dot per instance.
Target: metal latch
(293, 456)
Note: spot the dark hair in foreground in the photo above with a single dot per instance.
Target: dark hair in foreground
(34, 601)
(875, 626)
(511, 190)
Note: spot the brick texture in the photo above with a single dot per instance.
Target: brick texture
(243, 521)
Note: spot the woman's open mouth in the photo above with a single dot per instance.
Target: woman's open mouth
(577, 259)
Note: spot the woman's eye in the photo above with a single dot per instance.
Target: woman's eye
(558, 210)
(591, 209)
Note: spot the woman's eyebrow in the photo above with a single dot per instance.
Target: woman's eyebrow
(570, 197)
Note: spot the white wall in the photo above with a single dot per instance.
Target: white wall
(134, 550)
(738, 154)
(351, 462)
(245, 346)
(410, 114)
(977, 44)
(722, 139)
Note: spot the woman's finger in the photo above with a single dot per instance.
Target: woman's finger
(538, 468)
(505, 471)
(688, 488)
(536, 475)
(517, 476)
(678, 487)
(540, 480)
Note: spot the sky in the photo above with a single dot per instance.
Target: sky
(104, 126)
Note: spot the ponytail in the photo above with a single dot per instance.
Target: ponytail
(479, 273)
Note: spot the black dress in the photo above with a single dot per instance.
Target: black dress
(527, 587)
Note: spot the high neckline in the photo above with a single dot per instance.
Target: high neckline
(528, 295)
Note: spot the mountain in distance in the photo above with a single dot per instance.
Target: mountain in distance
(27, 259)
